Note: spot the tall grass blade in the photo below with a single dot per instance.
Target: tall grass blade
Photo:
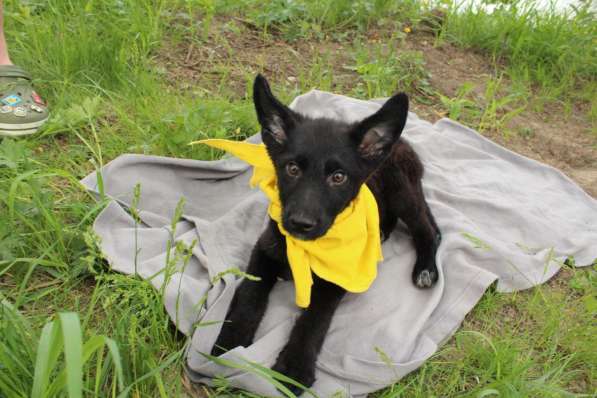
(48, 351)
(73, 353)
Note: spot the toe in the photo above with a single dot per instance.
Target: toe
(425, 279)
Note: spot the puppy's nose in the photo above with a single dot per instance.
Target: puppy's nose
(302, 223)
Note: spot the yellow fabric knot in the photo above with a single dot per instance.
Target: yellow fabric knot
(347, 255)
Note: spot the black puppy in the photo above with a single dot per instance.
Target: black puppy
(320, 166)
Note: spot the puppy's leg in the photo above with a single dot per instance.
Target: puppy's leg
(297, 359)
(250, 299)
(411, 207)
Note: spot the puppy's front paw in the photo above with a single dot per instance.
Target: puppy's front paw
(425, 279)
(425, 275)
(296, 367)
(218, 350)
(228, 339)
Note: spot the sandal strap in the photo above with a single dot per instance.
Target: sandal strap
(13, 71)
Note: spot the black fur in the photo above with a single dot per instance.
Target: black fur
(320, 166)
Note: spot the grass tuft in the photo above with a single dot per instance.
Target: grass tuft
(116, 83)
(551, 50)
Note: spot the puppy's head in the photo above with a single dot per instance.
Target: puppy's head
(322, 163)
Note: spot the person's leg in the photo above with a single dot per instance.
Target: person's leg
(4, 57)
(22, 110)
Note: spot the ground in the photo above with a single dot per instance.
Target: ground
(558, 137)
(151, 76)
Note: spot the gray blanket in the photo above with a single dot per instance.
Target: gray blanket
(503, 217)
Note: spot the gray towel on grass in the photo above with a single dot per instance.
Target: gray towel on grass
(503, 217)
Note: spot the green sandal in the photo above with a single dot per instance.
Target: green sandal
(22, 111)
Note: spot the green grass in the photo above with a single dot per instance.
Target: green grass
(540, 343)
(70, 327)
(492, 111)
(552, 53)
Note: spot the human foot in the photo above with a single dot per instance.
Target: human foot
(22, 111)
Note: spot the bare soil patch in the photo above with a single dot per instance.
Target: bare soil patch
(235, 51)
(560, 140)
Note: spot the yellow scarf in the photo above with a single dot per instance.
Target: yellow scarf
(347, 255)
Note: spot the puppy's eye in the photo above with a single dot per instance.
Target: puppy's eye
(338, 178)
(292, 169)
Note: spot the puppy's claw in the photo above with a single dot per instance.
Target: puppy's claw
(426, 279)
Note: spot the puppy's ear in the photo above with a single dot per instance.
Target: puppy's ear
(375, 135)
(275, 118)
